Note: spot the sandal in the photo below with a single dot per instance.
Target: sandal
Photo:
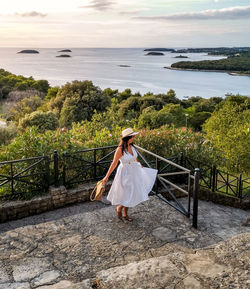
(119, 214)
(127, 218)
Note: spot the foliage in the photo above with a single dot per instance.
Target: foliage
(77, 101)
(7, 133)
(197, 120)
(169, 114)
(10, 82)
(52, 92)
(43, 120)
(24, 106)
(228, 131)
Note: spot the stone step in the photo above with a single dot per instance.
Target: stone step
(211, 267)
(84, 244)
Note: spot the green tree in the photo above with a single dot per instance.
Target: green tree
(228, 130)
(77, 101)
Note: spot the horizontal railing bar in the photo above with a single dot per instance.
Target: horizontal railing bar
(21, 160)
(173, 173)
(173, 185)
(220, 171)
(163, 159)
(92, 149)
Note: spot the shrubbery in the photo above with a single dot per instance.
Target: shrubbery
(42, 120)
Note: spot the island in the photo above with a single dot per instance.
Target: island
(181, 56)
(63, 55)
(234, 65)
(29, 51)
(160, 49)
(216, 51)
(65, 50)
(124, 65)
(155, 53)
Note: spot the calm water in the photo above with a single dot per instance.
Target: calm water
(102, 67)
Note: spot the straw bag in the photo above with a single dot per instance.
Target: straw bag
(96, 194)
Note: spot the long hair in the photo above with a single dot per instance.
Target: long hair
(124, 143)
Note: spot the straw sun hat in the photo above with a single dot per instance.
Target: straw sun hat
(128, 132)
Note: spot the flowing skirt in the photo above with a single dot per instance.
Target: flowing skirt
(131, 185)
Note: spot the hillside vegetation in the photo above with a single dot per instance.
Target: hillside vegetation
(217, 129)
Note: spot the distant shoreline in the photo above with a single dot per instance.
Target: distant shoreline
(233, 73)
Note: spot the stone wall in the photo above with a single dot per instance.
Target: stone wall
(225, 200)
(56, 198)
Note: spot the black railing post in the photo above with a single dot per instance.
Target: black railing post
(195, 197)
(12, 180)
(64, 168)
(56, 170)
(240, 186)
(156, 182)
(181, 159)
(47, 173)
(94, 164)
(213, 178)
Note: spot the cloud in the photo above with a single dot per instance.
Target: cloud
(31, 14)
(100, 5)
(129, 12)
(238, 12)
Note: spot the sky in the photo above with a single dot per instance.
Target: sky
(124, 23)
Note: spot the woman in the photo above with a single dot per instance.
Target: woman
(132, 182)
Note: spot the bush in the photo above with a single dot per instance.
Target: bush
(7, 133)
(77, 101)
(43, 120)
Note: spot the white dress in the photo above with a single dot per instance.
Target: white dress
(132, 182)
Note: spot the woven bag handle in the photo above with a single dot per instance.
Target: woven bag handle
(92, 193)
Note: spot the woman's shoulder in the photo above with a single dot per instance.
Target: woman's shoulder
(119, 149)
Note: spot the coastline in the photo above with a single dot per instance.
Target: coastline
(233, 73)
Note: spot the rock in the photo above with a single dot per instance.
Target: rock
(191, 283)
(203, 266)
(15, 286)
(164, 234)
(29, 51)
(152, 273)
(46, 278)
(155, 53)
(4, 278)
(181, 56)
(60, 285)
(65, 50)
(63, 55)
(29, 268)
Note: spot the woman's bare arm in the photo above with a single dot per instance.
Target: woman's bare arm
(117, 156)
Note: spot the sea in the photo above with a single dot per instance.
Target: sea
(121, 68)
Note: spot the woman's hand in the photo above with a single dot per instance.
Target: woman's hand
(104, 181)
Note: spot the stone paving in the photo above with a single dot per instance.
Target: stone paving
(86, 246)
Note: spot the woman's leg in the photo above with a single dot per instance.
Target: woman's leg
(125, 214)
(119, 211)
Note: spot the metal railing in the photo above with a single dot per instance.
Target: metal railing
(25, 177)
(86, 165)
(220, 181)
(167, 169)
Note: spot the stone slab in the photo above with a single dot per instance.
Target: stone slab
(29, 268)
